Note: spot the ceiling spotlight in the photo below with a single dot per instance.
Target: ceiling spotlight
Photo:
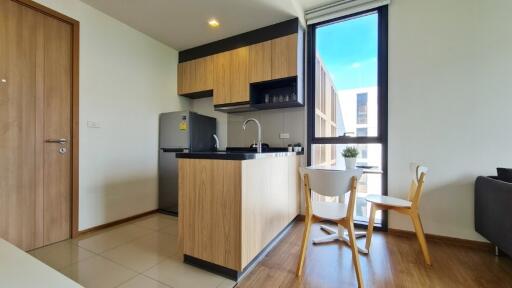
(213, 23)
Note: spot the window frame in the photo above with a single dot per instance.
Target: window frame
(382, 92)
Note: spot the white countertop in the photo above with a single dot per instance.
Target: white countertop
(20, 270)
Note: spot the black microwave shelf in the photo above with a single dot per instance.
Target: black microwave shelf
(279, 105)
(276, 94)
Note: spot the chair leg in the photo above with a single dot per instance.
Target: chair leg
(303, 249)
(369, 233)
(416, 221)
(355, 253)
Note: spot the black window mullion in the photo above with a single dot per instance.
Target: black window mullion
(347, 140)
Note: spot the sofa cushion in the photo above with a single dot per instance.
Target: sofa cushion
(505, 174)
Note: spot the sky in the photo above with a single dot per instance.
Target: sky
(349, 51)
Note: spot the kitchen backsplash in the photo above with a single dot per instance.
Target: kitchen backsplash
(273, 122)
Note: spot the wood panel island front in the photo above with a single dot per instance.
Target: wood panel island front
(233, 206)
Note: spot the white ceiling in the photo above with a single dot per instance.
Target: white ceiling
(310, 4)
(182, 24)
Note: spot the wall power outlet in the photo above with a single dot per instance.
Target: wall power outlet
(93, 124)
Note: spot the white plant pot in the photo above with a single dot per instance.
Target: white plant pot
(350, 163)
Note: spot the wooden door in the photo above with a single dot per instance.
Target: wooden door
(57, 126)
(19, 215)
(35, 105)
(284, 56)
(260, 62)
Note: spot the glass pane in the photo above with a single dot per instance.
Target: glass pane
(346, 97)
(369, 155)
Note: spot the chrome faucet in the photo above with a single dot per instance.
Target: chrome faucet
(258, 144)
(217, 142)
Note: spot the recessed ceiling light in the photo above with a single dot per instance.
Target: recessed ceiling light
(213, 23)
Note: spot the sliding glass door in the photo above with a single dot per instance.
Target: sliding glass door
(347, 98)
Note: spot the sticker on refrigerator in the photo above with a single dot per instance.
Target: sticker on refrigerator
(183, 126)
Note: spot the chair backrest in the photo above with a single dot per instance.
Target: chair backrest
(331, 183)
(417, 183)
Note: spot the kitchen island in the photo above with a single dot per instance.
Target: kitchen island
(233, 205)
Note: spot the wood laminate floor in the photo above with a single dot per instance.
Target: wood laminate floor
(394, 261)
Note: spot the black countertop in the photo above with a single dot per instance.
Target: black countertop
(237, 154)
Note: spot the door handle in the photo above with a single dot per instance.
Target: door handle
(59, 141)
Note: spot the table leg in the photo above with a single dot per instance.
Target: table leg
(333, 235)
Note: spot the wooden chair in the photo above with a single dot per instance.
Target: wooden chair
(407, 207)
(331, 183)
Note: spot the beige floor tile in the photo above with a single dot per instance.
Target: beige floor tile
(157, 222)
(227, 284)
(108, 239)
(171, 230)
(98, 272)
(144, 253)
(61, 255)
(180, 275)
(142, 281)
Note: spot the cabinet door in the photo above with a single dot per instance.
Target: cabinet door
(222, 78)
(203, 70)
(195, 75)
(239, 88)
(284, 56)
(185, 77)
(260, 62)
(184, 74)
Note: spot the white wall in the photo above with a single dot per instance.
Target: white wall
(449, 103)
(126, 80)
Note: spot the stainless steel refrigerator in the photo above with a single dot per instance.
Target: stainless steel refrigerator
(179, 132)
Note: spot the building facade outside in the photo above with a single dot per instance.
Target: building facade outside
(350, 112)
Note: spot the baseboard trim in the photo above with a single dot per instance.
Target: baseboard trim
(445, 239)
(117, 222)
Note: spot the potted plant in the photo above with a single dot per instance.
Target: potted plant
(297, 147)
(350, 154)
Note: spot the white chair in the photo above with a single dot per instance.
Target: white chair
(409, 207)
(331, 183)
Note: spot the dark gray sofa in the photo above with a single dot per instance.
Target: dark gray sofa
(493, 211)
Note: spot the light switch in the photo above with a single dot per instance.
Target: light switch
(284, 136)
(93, 124)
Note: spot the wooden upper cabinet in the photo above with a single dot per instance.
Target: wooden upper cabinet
(221, 77)
(195, 75)
(231, 76)
(240, 75)
(284, 56)
(260, 62)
